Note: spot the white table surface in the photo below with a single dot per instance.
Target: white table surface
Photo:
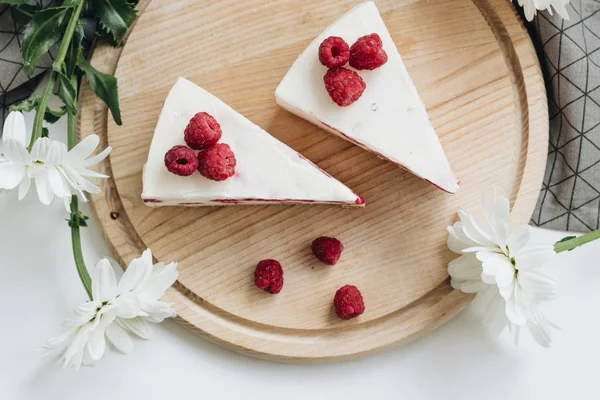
(39, 286)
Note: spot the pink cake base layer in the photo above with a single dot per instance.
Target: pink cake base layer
(360, 202)
(348, 138)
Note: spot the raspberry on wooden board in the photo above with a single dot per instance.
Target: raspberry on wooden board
(327, 249)
(269, 276)
(348, 302)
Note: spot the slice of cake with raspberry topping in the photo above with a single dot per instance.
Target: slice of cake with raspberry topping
(352, 82)
(205, 153)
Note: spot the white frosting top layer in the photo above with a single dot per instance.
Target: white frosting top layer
(389, 119)
(267, 170)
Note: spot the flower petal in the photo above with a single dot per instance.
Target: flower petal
(83, 150)
(158, 311)
(532, 258)
(473, 230)
(11, 175)
(496, 269)
(39, 152)
(119, 338)
(16, 152)
(501, 215)
(158, 282)
(468, 286)
(561, 9)
(56, 153)
(57, 344)
(14, 127)
(104, 283)
(56, 182)
(137, 326)
(83, 314)
(42, 185)
(516, 307)
(73, 356)
(519, 239)
(128, 305)
(466, 267)
(97, 158)
(24, 187)
(539, 286)
(135, 275)
(97, 343)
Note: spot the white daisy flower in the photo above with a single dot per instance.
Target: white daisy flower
(55, 171)
(14, 157)
(506, 271)
(116, 309)
(530, 7)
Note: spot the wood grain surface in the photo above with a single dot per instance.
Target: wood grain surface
(475, 68)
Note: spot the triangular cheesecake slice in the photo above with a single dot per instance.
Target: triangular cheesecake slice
(389, 119)
(267, 170)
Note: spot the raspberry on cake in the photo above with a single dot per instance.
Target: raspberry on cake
(368, 53)
(388, 118)
(334, 52)
(327, 249)
(348, 302)
(217, 162)
(181, 160)
(247, 166)
(269, 276)
(344, 86)
(202, 131)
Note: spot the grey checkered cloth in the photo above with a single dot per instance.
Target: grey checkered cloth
(15, 85)
(570, 57)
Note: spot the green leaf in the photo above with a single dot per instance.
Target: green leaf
(43, 32)
(51, 116)
(105, 86)
(566, 238)
(71, 3)
(68, 93)
(73, 51)
(22, 15)
(26, 105)
(14, 2)
(45, 132)
(116, 16)
(77, 219)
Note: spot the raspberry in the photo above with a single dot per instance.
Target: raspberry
(181, 160)
(367, 53)
(202, 130)
(334, 52)
(344, 86)
(269, 276)
(327, 249)
(217, 162)
(348, 302)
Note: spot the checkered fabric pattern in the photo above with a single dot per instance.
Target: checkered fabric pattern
(570, 57)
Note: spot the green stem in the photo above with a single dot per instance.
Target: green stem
(576, 242)
(75, 229)
(84, 276)
(36, 132)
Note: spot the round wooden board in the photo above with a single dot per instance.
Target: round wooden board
(478, 75)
